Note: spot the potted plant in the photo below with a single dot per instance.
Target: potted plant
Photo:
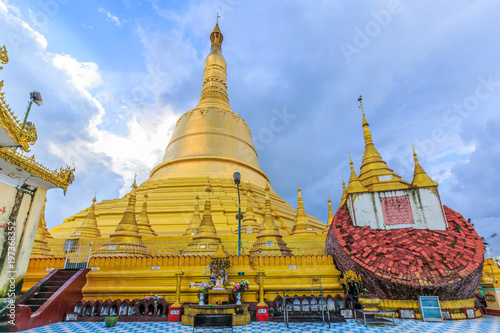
(111, 321)
(239, 288)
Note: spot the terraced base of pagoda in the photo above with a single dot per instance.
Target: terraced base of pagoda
(171, 205)
(240, 313)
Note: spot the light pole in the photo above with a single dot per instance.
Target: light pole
(486, 244)
(237, 181)
(35, 97)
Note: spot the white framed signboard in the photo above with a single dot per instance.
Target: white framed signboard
(430, 308)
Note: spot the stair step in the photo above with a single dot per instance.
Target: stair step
(33, 308)
(55, 283)
(36, 301)
(43, 294)
(46, 288)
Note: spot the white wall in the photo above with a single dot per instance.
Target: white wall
(426, 210)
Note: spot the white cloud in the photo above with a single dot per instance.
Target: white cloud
(3, 7)
(112, 18)
(83, 75)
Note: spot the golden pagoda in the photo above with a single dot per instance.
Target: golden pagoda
(344, 193)
(206, 240)
(40, 246)
(302, 225)
(420, 178)
(145, 229)
(355, 185)
(269, 241)
(210, 140)
(88, 228)
(196, 220)
(249, 225)
(126, 240)
(374, 174)
(330, 214)
(46, 232)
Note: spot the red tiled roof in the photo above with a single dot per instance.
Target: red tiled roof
(406, 262)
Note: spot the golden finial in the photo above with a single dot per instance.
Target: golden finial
(420, 178)
(134, 184)
(217, 17)
(355, 186)
(94, 200)
(216, 37)
(360, 100)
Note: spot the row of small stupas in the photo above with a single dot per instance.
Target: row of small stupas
(400, 238)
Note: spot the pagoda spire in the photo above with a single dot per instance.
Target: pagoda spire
(269, 241)
(344, 193)
(330, 215)
(206, 240)
(420, 178)
(40, 246)
(126, 240)
(88, 228)
(301, 225)
(214, 88)
(44, 223)
(249, 224)
(145, 229)
(355, 185)
(195, 220)
(374, 173)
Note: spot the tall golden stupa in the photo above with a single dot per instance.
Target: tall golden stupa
(209, 144)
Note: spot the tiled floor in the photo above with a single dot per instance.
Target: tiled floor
(486, 324)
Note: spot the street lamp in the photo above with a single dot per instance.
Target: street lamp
(486, 244)
(237, 181)
(35, 97)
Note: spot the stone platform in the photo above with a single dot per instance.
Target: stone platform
(240, 313)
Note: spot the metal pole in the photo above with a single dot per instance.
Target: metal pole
(239, 221)
(27, 113)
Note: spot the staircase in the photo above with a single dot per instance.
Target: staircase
(47, 289)
(47, 301)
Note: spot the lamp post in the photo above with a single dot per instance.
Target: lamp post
(35, 97)
(486, 244)
(237, 181)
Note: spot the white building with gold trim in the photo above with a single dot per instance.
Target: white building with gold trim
(23, 186)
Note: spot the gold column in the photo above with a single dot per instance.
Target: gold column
(261, 274)
(178, 277)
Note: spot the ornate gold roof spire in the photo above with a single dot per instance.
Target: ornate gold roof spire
(249, 224)
(420, 178)
(344, 193)
(40, 246)
(214, 91)
(44, 223)
(269, 241)
(126, 240)
(302, 226)
(143, 224)
(355, 185)
(88, 228)
(195, 220)
(330, 216)
(374, 173)
(206, 239)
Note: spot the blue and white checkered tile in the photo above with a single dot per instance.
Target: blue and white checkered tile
(486, 324)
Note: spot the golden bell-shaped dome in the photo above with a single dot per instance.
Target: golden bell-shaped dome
(211, 139)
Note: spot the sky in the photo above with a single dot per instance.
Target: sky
(116, 75)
